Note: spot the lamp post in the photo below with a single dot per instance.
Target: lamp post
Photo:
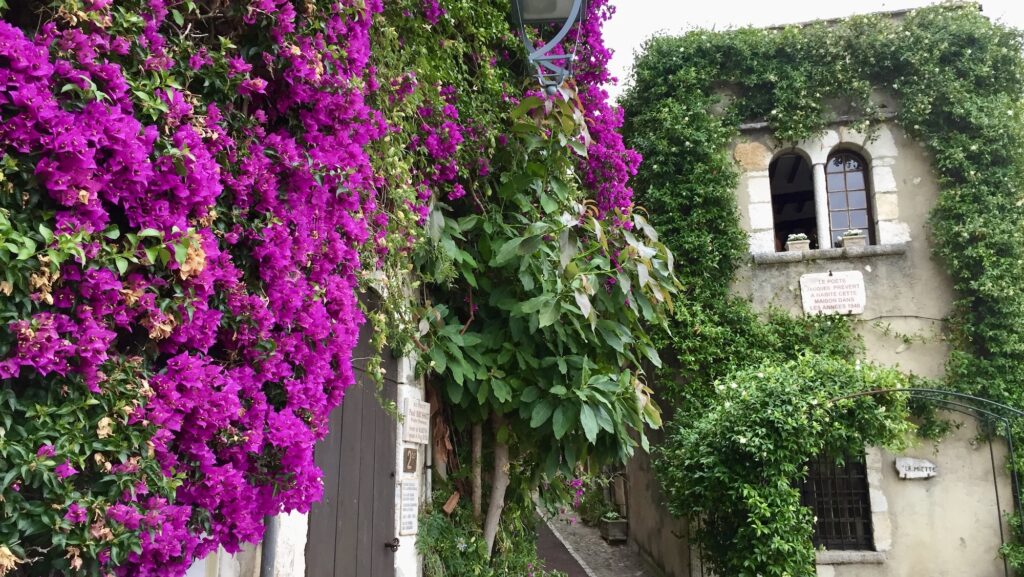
(550, 71)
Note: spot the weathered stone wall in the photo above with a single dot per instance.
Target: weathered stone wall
(660, 538)
(946, 526)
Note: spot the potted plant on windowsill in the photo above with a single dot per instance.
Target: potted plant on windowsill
(854, 238)
(614, 529)
(798, 242)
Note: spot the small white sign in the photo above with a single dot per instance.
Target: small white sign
(410, 510)
(417, 422)
(911, 468)
(833, 292)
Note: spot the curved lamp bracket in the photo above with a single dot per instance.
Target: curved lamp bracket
(550, 73)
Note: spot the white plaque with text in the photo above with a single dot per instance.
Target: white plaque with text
(417, 422)
(911, 468)
(833, 292)
(410, 520)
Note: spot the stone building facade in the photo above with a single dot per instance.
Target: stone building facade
(948, 525)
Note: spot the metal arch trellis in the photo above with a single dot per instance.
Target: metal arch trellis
(977, 407)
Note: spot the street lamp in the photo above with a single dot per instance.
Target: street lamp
(550, 72)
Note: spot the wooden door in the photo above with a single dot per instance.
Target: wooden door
(350, 527)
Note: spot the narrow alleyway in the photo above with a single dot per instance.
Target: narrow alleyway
(593, 557)
(556, 557)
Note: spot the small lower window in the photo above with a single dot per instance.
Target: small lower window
(838, 495)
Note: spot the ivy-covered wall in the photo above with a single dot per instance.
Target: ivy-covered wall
(957, 80)
(199, 197)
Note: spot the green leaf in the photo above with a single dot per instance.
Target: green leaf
(549, 314)
(178, 18)
(541, 412)
(121, 263)
(610, 336)
(46, 233)
(502, 391)
(530, 244)
(643, 274)
(507, 252)
(589, 421)
(563, 420)
(180, 253)
(583, 301)
(454, 392)
(560, 188)
(567, 248)
(548, 204)
(525, 105)
(533, 305)
(153, 254)
(439, 358)
(604, 420)
(483, 392)
(530, 394)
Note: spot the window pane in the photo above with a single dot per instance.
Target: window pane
(839, 497)
(836, 200)
(855, 180)
(851, 163)
(858, 198)
(859, 219)
(834, 165)
(840, 220)
(836, 182)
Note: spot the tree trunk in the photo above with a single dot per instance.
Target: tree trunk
(478, 482)
(499, 484)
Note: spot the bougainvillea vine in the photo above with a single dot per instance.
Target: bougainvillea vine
(191, 194)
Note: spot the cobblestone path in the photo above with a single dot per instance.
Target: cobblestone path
(597, 558)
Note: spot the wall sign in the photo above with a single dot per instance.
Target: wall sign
(910, 468)
(416, 418)
(410, 509)
(410, 458)
(833, 292)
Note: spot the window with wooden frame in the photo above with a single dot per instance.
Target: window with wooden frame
(838, 495)
(849, 206)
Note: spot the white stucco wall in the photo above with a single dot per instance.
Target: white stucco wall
(408, 562)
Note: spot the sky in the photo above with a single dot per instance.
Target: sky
(637, 20)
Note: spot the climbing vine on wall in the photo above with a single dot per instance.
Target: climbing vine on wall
(957, 79)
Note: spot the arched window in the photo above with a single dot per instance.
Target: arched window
(792, 183)
(848, 199)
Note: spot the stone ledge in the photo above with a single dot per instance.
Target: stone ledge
(830, 253)
(849, 558)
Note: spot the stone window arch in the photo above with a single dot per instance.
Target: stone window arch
(849, 195)
(792, 193)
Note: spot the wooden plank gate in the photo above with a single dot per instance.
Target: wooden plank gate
(351, 529)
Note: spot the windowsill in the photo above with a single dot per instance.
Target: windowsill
(830, 253)
(849, 558)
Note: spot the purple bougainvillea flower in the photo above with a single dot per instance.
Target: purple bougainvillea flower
(45, 451)
(65, 470)
(76, 514)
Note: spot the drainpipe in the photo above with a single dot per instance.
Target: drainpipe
(268, 554)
